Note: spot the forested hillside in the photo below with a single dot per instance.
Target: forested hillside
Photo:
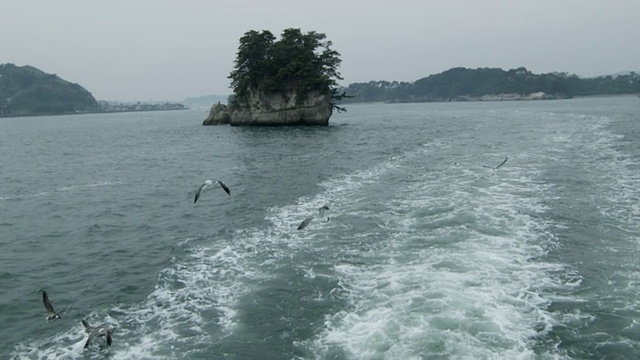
(463, 84)
(26, 90)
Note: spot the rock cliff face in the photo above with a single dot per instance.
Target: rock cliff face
(218, 115)
(263, 109)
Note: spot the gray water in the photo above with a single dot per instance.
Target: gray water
(427, 254)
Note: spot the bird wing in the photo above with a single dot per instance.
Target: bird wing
(502, 163)
(86, 344)
(86, 325)
(225, 187)
(109, 339)
(322, 211)
(305, 222)
(487, 166)
(204, 185)
(47, 303)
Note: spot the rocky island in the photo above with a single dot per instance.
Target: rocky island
(273, 110)
(291, 81)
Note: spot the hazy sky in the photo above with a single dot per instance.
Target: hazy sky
(171, 50)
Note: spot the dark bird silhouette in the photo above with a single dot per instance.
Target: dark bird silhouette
(321, 214)
(208, 183)
(97, 331)
(497, 167)
(51, 314)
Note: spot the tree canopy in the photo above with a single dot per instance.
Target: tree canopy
(298, 62)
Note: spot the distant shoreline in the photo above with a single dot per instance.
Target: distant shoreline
(606, 95)
(352, 102)
(89, 113)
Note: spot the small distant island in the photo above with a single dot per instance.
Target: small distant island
(29, 91)
(491, 84)
(291, 81)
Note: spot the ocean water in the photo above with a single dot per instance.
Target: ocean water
(427, 254)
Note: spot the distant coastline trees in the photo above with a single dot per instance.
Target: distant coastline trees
(297, 63)
(463, 84)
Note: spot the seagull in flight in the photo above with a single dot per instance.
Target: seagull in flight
(497, 167)
(321, 214)
(207, 183)
(51, 314)
(95, 331)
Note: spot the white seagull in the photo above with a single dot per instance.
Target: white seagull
(207, 183)
(497, 167)
(95, 331)
(321, 214)
(51, 314)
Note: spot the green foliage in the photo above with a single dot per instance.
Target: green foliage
(252, 61)
(462, 83)
(298, 63)
(25, 90)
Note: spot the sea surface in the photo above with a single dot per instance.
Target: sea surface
(427, 253)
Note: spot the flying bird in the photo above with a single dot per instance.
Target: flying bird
(51, 314)
(497, 167)
(207, 183)
(321, 214)
(95, 331)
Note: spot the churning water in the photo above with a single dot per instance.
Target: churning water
(427, 254)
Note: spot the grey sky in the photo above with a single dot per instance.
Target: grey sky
(171, 50)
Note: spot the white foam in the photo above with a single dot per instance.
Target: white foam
(416, 294)
(210, 279)
(475, 295)
(617, 184)
(216, 277)
(90, 185)
(66, 345)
